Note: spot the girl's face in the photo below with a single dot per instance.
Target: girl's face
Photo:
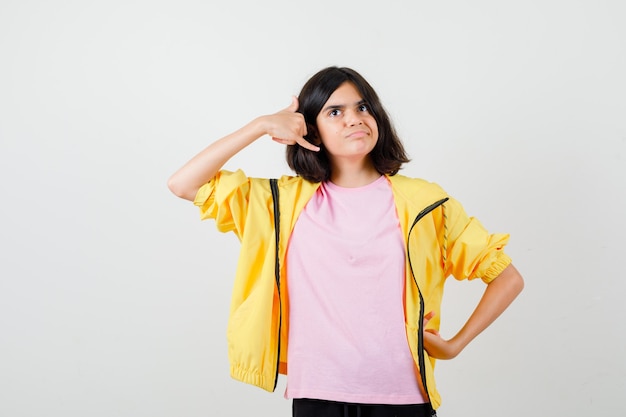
(345, 125)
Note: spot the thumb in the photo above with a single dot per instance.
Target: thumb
(429, 316)
(294, 104)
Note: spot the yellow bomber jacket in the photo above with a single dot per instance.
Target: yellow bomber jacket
(441, 241)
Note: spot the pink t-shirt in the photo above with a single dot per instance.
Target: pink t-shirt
(345, 269)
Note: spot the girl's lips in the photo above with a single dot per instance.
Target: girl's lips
(357, 134)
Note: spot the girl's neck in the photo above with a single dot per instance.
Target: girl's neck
(354, 175)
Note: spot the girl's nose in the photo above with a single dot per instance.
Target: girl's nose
(353, 118)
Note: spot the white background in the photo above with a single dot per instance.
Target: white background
(114, 296)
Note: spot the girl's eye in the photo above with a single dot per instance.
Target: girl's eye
(334, 112)
(363, 108)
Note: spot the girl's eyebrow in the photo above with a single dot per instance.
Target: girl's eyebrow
(342, 106)
(333, 107)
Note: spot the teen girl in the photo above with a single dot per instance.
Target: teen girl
(353, 314)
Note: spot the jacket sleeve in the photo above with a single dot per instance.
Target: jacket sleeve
(225, 198)
(470, 250)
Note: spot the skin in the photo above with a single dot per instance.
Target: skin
(286, 127)
(498, 295)
(348, 133)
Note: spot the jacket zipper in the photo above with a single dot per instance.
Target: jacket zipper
(420, 334)
(274, 188)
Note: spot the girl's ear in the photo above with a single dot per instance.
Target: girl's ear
(312, 135)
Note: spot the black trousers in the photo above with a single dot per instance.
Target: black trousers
(304, 407)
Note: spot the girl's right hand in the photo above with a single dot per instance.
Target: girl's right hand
(288, 127)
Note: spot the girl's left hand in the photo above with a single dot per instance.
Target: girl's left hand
(436, 346)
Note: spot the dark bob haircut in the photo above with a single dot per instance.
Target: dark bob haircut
(387, 156)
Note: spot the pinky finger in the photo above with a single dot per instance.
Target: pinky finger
(283, 141)
(308, 145)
